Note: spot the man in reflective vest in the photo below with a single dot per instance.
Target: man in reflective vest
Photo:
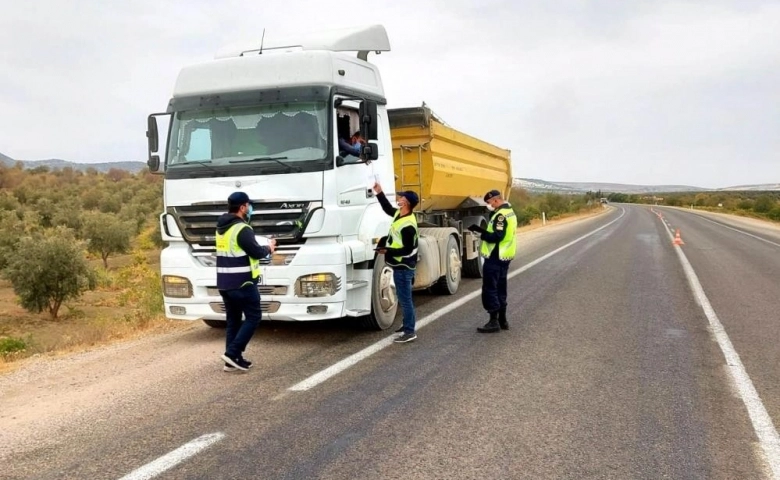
(498, 249)
(400, 252)
(238, 271)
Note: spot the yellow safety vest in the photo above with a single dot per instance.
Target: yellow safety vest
(396, 241)
(508, 246)
(234, 267)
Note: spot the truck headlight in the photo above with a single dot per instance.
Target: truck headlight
(282, 259)
(176, 287)
(317, 285)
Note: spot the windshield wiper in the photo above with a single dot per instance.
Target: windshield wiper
(203, 163)
(270, 159)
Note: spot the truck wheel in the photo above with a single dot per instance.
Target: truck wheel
(448, 284)
(473, 268)
(384, 301)
(215, 323)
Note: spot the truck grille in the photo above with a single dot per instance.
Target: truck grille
(284, 221)
(262, 289)
(265, 307)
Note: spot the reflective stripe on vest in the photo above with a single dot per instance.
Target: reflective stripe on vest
(234, 267)
(508, 246)
(395, 239)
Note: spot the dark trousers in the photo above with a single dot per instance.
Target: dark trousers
(244, 300)
(404, 279)
(494, 274)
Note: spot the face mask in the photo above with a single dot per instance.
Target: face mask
(249, 212)
(491, 208)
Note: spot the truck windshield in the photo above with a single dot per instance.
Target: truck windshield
(230, 137)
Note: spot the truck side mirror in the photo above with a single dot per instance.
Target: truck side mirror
(151, 134)
(370, 152)
(153, 163)
(368, 120)
(153, 140)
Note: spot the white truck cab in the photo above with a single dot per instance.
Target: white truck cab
(266, 120)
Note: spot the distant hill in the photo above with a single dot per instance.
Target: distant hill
(56, 163)
(754, 188)
(540, 186)
(628, 188)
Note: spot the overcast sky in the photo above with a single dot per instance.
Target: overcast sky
(643, 92)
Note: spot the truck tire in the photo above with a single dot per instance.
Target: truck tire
(384, 301)
(473, 268)
(448, 284)
(215, 323)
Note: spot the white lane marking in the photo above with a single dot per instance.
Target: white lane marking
(353, 359)
(740, 231)
(151, 470)
(759, 417)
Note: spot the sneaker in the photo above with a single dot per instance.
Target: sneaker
(406, 337)
(230, 368)
(400, 329)
(236, 362)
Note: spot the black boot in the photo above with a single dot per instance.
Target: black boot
(502, 319)
(491, 326)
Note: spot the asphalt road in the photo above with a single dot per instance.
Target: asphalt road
(610, 369)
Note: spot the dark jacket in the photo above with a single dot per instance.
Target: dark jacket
(496, 235)
(408, 235)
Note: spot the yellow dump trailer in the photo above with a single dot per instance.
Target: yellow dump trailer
(450, 172)
(448, 169)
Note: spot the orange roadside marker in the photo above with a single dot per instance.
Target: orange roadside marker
(677, 240)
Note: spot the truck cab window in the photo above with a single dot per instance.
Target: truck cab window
(294, 130)
(347, 129)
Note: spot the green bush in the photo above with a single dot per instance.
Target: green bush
(47, 271)
(764, 204)
(9, 345)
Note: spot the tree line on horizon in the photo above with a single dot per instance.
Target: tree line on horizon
(764, 205)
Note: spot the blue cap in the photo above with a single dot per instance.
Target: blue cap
(491, 194)
(236, 199)
(410, 197)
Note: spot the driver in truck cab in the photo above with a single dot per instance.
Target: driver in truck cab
(354, 145)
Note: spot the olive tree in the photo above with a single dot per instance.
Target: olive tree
(106, 234)
(47, 271)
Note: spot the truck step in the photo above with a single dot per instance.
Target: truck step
(357, 313)
(353, 284)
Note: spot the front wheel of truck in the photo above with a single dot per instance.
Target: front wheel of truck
(384, 301)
